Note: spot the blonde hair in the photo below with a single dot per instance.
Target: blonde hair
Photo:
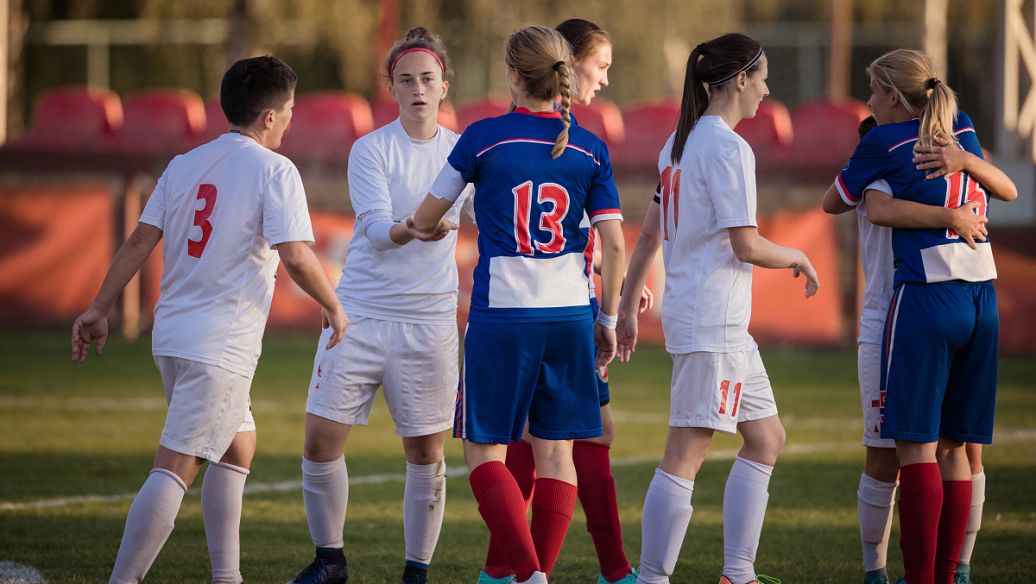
(912, 75)
(542, 59)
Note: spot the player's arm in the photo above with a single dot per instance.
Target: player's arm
(305, 270)
(613, 256)
(947, 159)
(647, 297)
(648, 241)
(833, 202)
(92, 325)
(752, 248)
(887, 211)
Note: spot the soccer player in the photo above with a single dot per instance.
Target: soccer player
(225, 212)
(401, 296)
(876, 491)
(592, 57)
(540, 185)
(939, 346)
(704, 219)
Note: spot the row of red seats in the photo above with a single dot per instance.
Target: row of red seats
(326, 123)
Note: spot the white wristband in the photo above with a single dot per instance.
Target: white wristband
(608, 321)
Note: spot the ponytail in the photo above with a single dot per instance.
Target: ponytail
(912, 75)
(692, 105)
(542, 59)
(565, 85)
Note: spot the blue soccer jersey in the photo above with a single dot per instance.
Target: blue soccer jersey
(921, 255)
(533, 214)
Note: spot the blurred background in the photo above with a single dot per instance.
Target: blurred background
(101, 93)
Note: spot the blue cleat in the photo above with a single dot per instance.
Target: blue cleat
(963, 575)
(630, 578)
(328, 567)
(484, 578)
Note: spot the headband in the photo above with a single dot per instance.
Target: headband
(743, 68)
(392, 65)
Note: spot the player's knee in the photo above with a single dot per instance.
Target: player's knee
(427, 451)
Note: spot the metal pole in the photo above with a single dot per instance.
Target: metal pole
(840, 55)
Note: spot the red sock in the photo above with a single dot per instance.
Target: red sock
(500, 504)
(523, 468)
(597, 494)
(953, 523)
(920, 502)
(551, 513)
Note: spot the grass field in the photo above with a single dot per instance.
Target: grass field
(76, 443)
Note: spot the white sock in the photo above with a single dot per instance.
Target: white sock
(222, 492)
(325, 491)
(744, 508)
(978, 499)
(424, 500)
(874, 502)
(667, 512)
(148, 524)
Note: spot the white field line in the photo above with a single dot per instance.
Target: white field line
(12, 573)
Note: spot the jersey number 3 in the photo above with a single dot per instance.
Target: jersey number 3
(550, 221)
(207, 194)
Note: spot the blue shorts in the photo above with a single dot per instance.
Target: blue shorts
(939, 362)
(604, 396)
(543, 372)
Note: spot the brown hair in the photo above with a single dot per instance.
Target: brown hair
(418, 38)
(542, 59)
(251, 86)
(583, 36)
(712, 64)
(912, 75)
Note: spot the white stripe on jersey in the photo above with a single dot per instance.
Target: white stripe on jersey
(898, 299)
(527, 282)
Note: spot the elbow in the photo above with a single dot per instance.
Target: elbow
(831, 207)
(743, 251)
(1009, 195)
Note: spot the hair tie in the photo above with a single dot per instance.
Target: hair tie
(557, 65)
(392, 65)
(703, 49)
(932, 82)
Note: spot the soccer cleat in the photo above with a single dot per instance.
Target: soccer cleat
(630, 578)
(325, 569)
(484, 578)
(536, 578)
(963, 575)
(878, 576)
(414, 577)
(760, 579)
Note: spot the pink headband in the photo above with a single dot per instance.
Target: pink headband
(392, 66)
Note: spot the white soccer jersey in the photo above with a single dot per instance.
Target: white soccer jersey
(390, 174)
(707, 301)
(221, 207)
(878, 270)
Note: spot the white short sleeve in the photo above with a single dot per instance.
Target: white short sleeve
(880, 185)
(285, 213)
(730, 180)
(449, 185)
(154, 210)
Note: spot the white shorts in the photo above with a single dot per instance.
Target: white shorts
(868, 369)
(719, 390)
(208, 405)
(416, 364)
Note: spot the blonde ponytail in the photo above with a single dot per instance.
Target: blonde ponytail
(912, 75)
(565, 84)
(542, 59)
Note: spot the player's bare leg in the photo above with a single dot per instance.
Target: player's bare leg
(325, 492)
(875, 501)
(667, 506)
(424, 500)
(222, 493)
(978, 499)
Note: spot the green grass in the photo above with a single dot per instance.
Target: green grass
(70, 431)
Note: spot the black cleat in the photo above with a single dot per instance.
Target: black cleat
(414, 578)
(328, 567)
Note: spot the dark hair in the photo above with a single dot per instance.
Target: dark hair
(418, 38)
(866, 125)
(711, 64)
(254, 85)
(583, 35)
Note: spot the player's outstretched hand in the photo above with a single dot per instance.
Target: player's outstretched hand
(605, 339)
(945, 158)
(647, 300)
(626, 336)
(91, 327)
(969, 224)
(805, 267)
(338, 323)
(441, 230)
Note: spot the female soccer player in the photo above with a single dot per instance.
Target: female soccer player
(719, 382)
(939, 351)
(876, 492)
(592, 56)
(402, 298)
(540, 184)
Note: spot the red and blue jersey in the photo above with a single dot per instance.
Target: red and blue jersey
(921, 255)
(531, 212)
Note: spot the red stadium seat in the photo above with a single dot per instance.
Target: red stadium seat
(325, 124)
(769, 132)
(73, 118)
(648, 126)
(474, 111)
(604, 119)
(386, 110)
(215, 122)
(826, 132)
(161, 121)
